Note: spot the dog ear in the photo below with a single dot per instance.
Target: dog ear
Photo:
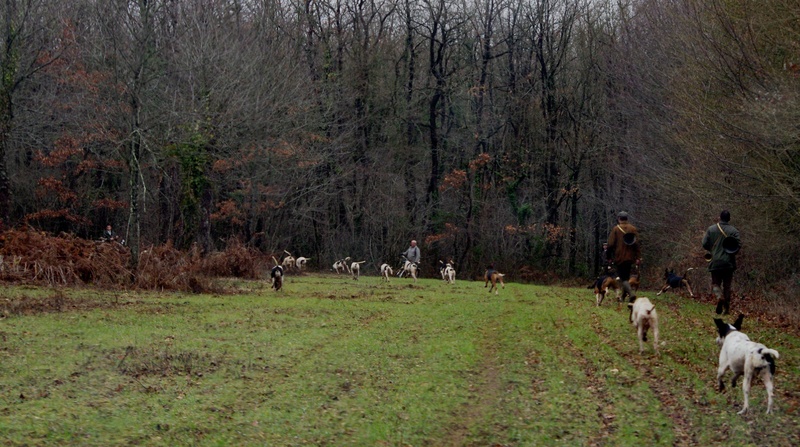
(722, 327)
(738, 323)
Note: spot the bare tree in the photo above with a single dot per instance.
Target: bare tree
(25, 48)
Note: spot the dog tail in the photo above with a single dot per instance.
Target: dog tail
(687, 271)
(769, 352)
(768, 356)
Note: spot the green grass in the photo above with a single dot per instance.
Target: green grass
(331, 361)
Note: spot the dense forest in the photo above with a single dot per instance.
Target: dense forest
(505, 131)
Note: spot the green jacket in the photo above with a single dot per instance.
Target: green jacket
(712, 242)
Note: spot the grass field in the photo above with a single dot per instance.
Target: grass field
(331, 361)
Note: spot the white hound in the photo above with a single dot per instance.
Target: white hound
(355, 269)
(644, 317)
(745, 358)
(386, 271)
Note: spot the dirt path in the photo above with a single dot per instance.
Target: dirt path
(605, 404)
(665, 390)
(485, 391)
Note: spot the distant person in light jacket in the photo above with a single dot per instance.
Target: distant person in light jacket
(410, 255)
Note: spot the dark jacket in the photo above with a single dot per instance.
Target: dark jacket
(712, 242)
(617, 248)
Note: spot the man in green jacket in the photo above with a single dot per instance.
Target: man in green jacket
(625, 250)
(722, 241)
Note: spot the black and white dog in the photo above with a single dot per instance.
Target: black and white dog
(673, 281)
(745, 358)
(442, 268)
(386, 271)
(341, 266)
(277, 277)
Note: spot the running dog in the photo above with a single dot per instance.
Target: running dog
(644, 317)
(442, 267)
(300, 262)
(386, 271)
(288, 261)
(355, 269)
(450, 274)
(493, 276)
(277, 277)
(341, 266)
(674, 281)
(410, 268)
(602, 285)
(745, 358)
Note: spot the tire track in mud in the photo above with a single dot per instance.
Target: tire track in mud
(665, 390)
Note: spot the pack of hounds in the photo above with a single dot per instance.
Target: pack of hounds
(744, 357)
(738, 353)
(405, 269)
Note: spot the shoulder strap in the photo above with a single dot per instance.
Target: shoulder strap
(721, 230)
(620, 229)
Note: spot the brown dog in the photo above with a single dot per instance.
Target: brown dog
(633, 281)
(493, 276)
(602, 285)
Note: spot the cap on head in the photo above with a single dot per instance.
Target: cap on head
(725, 216)
(622, 215)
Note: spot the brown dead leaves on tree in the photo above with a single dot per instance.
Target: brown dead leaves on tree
(36, 257)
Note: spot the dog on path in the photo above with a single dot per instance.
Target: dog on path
(602, 285)
(745, 358)
(644, 317)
